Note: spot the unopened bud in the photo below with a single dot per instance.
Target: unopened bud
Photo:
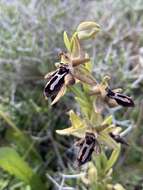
(87, 30)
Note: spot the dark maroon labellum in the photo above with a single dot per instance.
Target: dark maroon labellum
(56, 81)
(121, 99)
(87, 146)
(118, 139)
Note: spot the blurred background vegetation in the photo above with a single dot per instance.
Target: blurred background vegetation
(31, 35)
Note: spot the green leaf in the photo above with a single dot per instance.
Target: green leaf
(76, 89)
(83, 100)
(113, 158)
(24, 144)
(84, 106)
(78, 132)
(67, 41)
(88, 65)
(108, 120)
(22, 140)
(101, 161)
(112, 129)
(107, 140)
(11, 162)
(75, 46)
(78, 127)
(6, 118)
(92, 173)
(75, 119)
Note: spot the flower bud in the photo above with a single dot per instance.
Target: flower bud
(87, 30)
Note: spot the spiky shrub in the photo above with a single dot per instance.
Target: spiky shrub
(96, 132)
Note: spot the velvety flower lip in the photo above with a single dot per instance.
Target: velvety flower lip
(118, 139)
(121, 99)
(56, 81)
(87, 146)
(66, 74)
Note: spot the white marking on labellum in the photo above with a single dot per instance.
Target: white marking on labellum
(87, 153)
(56, 81)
